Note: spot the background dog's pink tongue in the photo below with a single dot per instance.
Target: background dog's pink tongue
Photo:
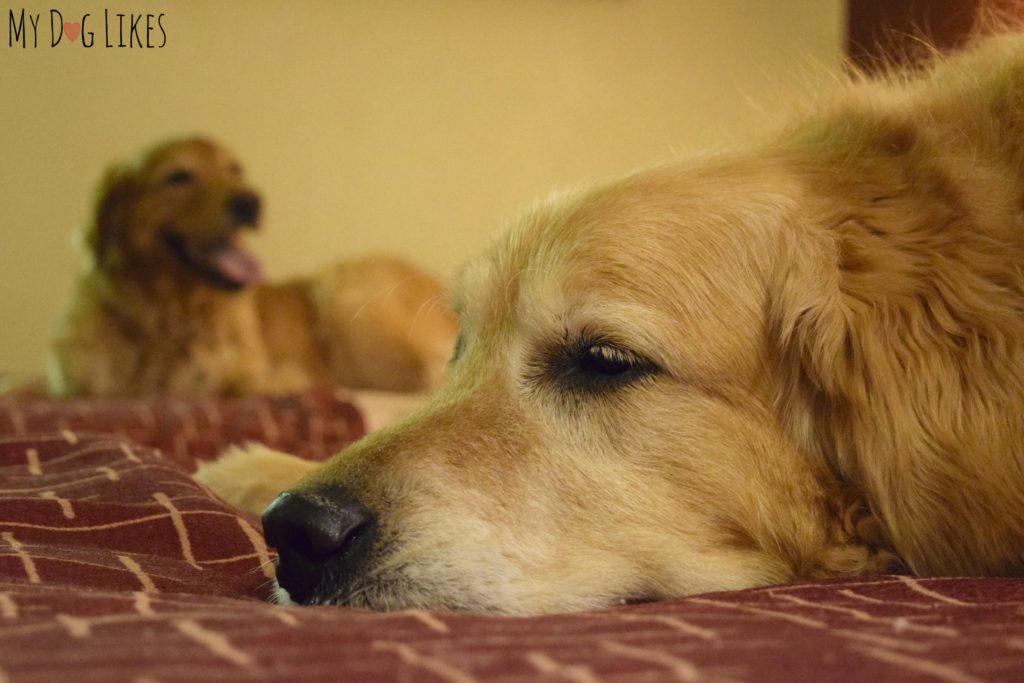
(233, 264)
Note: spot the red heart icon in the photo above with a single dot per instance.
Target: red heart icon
(72, 29)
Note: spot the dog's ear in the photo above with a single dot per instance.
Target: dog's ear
(889, 311)
(839, 332)
(112, 213)
(810, 318)
(856, 287)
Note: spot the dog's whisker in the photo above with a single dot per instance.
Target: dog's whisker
(383, 295)
(428, 304)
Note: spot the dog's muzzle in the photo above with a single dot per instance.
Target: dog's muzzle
(323, 539)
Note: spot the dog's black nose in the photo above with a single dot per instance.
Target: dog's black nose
(324, 534)
(244, 207)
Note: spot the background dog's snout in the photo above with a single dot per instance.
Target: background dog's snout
(312, 532)
(245, 207)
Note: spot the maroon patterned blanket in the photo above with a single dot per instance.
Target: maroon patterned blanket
(116, 565)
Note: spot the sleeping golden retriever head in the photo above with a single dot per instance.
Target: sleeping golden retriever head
(178, 214)
(609, 430)
(804, 361)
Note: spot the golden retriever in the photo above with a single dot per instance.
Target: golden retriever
(802, 361)
(173, 302)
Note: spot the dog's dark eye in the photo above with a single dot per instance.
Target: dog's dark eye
(597, 365)
(460, 345)
(605, 360)
(179, 176)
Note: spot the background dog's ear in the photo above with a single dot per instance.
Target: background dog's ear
(112, 213)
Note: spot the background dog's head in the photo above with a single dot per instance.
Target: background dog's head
(177, 213)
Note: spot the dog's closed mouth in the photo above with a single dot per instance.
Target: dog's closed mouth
(643, 600)
(223, 263)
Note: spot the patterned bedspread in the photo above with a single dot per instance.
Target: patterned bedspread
(116, 565)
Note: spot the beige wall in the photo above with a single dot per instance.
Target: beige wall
(413, 126)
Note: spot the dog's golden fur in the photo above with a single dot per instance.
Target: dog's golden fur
(156, 313)
(802, 361)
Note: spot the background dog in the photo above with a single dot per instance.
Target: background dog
(806, 360)
(173, 302)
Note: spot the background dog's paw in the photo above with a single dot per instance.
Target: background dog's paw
(250, 477)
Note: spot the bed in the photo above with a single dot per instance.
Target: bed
(116, 565)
